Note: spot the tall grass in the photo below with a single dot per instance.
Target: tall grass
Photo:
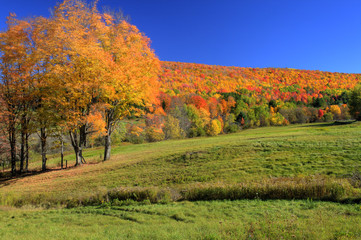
(316, 188)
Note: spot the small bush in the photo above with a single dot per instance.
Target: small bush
(172, 128)
(154, 134)
(196, 132)
(214, 127)
(135, 135)
(232, 128)
(336, 111)
(328, 117)
(276, 119)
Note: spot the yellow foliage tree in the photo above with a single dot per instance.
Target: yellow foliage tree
(214, 127)
(336, 111)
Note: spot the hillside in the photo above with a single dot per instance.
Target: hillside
(272, 83)
(274, 156)
(157, 190)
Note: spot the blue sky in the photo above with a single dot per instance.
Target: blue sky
(303, 34)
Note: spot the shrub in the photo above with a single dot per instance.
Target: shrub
(345, 112)
(276, 119)
(288, 114)
(172, 129)
(261, 115)
(336, 111)
(135, 135)
(214, 127)
(119, 133)
(320, 113)
(328, 117)
(180, 112)
(312, 114)
(301, 115)
(355, 102)
(154, 134)
(232, 128)
(196, 132)
(296, 115)
(199, 119)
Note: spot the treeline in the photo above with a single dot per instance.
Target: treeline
(75, 73)
(192, 115)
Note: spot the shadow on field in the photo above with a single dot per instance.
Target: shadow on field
(7, 179)
(330, 124)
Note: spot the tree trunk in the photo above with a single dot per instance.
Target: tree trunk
(107, 147)
(82, 142)
(82, 136)
(22, 150)
(76, 143)
(43, 137)
(13, 155)
(109, 118)
(12, 140)
(62, 152)
(78, 157)
(27, 152)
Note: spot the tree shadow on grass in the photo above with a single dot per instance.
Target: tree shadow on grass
(6, 178)
(330, 124)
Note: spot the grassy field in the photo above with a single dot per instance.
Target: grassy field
(244, 219)
(276, 155)
(152, 191)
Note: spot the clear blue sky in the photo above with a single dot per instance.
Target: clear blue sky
(303, 34)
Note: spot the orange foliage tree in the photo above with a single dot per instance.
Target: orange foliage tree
(73, 66)
(130, 72)
(16, 80)
(97, 63)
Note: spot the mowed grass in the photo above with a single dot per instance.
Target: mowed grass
(244, 219)
(252, 156)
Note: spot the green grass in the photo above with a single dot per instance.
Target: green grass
(255, 156)
(134, 195)
(243, 219)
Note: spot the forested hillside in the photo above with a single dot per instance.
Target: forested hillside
(271, 83)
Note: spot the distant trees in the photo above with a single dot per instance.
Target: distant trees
(355, 102)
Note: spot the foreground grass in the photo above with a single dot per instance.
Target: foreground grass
(255, 156)
(246, 219)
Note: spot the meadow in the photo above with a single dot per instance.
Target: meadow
(293, 182)
(318, 161)
(241, 219)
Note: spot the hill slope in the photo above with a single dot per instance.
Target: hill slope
(278, 156)
(276, 83)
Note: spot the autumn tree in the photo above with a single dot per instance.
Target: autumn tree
(355, 102)
(98, 63)
(16, 69)
(73, 69)
(129, 74)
